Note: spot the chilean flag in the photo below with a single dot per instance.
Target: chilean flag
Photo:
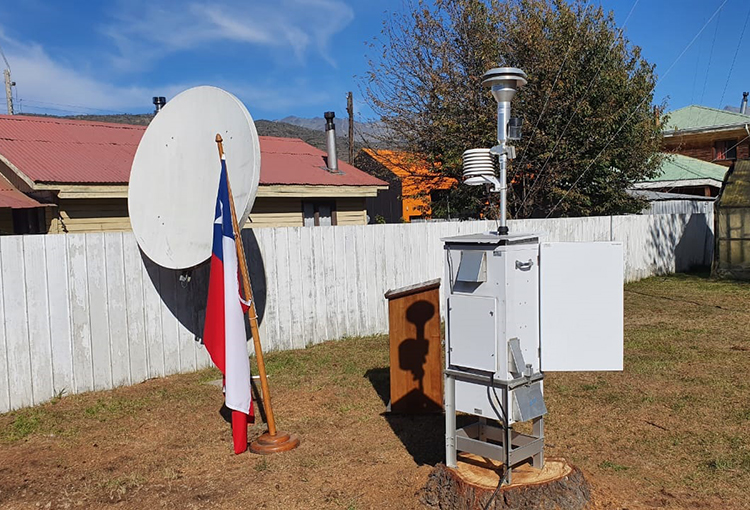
(224, 333)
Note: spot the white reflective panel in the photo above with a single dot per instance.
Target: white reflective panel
(581, 306)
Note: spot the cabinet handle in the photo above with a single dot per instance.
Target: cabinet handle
(524, 266)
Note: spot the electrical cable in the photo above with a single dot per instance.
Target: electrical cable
(585, 171)
(710, 55)
(79, 107)
(589, 88)
(552, 88)
(503, 419)
(450, 268)
(734, 59)
(2, 53)
(500, 483)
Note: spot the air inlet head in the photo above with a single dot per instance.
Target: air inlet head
(504, 81)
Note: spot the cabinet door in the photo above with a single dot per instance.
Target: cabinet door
(581, 306)
(471, 332)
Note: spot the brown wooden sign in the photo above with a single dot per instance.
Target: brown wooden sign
(415, 350)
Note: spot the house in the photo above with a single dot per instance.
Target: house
(687, 176)
(706, 141)
(413, 186)
(78, 171)
(708, 134)
(18, 213)
(660, 202)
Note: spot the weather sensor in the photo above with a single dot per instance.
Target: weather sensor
(479, 164)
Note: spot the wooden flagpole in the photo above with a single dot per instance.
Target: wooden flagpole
(272, 441)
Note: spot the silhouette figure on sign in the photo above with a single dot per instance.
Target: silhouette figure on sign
(412, 353)
(412, 356)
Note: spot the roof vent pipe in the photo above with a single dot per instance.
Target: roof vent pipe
(333, 164)
(159, 102)
(743, 106)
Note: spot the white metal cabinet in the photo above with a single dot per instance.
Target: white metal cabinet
(493, 297)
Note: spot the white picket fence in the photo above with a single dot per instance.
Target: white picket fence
(85, 312)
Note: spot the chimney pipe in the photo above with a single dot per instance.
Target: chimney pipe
(333, 163)
(743, 106)
(159, 102)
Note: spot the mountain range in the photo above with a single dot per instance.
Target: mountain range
(364, 132)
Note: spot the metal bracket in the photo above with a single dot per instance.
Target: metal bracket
(508, 150)
(516, 363)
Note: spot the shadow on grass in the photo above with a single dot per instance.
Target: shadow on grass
(423, 435)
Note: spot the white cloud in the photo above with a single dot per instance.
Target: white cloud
(145, 31)
(47, 84)
(40, 78)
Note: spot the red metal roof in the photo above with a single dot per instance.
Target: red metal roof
(54, 150)
(292, 161)
(69, 151)
(14, 199)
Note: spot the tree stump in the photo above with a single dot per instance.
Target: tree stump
(471, 485)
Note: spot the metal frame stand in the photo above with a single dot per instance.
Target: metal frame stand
(480, 438)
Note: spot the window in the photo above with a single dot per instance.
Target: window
(28, 221)
(725, 149)
(318, 213)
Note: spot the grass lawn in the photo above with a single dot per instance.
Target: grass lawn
(671, 431)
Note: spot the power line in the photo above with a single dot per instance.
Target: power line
(565, 195)
(710, 55)
(578, 106)
(734, 59)
(77, 107)
(552, 88)
(2, 53)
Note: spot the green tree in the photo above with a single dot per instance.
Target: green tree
(589, 132)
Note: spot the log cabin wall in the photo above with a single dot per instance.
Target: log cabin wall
(701, 145)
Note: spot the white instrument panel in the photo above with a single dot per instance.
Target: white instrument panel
(581, 306)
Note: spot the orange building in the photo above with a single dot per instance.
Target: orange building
(412, 185)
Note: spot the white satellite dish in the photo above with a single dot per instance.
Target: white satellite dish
(175, 174)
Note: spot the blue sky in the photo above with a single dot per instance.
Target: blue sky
(299, 57)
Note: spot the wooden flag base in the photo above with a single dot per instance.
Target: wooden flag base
(267, 444)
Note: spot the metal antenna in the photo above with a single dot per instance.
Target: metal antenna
(8, 83)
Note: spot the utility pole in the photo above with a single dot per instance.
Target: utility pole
(350, 111)
(8, 91)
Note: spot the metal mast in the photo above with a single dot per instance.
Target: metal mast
(8, 84)
(503, 83)
(8, 91)
(350, 111)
